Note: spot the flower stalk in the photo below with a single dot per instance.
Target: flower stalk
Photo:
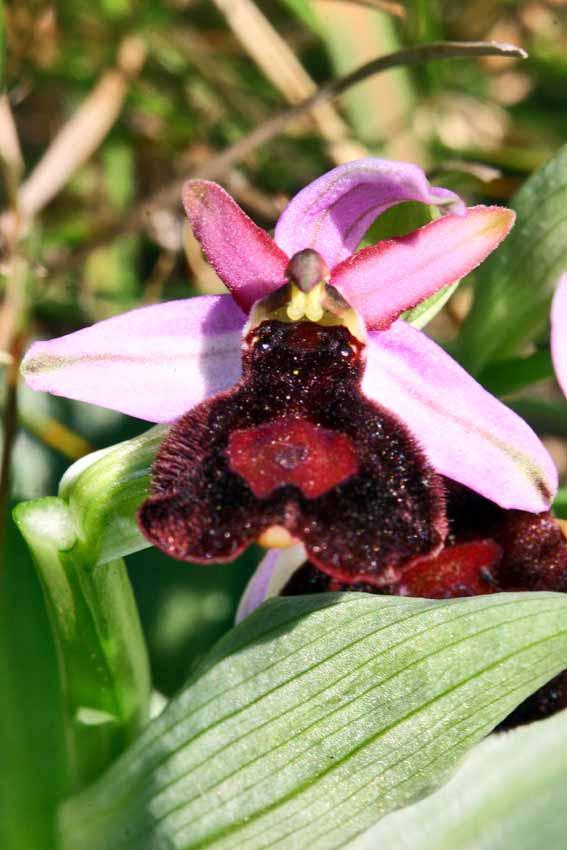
(103, 663)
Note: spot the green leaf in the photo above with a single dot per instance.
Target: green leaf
(34, 775)
(560, 503)
(515, 285)
(510, 794)
(399, 220)
(319, 715)
(548, 418)
(509, 376)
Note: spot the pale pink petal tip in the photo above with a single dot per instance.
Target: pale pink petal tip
(385, 279)
(559, 332)
(467, 434)
(154, 363)
(243, 255)
(332, 214)
(272, 574)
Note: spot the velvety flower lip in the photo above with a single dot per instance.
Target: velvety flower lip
(159, 362)
(296, 447)
(559, 332)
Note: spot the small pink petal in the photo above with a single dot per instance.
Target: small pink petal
(383, 280)
(467, 434)
(155, 363)
(332, 214)
(272, 574)
(245, 258)
(559, 332)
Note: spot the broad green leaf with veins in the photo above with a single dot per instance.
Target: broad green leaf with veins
(510, 794)
(319, 715)
(514, 285)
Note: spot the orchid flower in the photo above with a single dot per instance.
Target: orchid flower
(559, 332)
(304, 408)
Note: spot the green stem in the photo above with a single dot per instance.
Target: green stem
(103, 664)
(77, 541)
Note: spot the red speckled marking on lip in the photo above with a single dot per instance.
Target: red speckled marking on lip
(291, 451)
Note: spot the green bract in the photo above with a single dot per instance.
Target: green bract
(103, 492)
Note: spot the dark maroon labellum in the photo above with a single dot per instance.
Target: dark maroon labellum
(296, 445)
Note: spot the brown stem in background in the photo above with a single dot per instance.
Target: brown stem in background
(55, 434)
(327, 92)
(280, 65)
(12, 344)
(395, 9)
(10, 150)
(219, 164)
(82, 134)
(248, 195)
(13, 307)
(9, 434)
(479, 170)
(153, 289)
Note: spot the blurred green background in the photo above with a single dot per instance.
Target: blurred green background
(169, 86)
